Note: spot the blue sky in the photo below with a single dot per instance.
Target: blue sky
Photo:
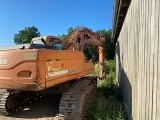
(52, 17)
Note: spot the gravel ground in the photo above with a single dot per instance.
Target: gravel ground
(44, 109)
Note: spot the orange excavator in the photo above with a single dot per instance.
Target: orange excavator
(49, 64)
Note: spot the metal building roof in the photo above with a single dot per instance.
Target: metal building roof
(120, 10)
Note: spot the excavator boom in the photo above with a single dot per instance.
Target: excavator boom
(82, 36)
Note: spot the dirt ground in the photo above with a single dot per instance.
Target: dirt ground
(45, 108)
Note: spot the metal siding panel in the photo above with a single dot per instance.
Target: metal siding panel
(139, 60)
(147, 62)
(158, 71)
(155, 57)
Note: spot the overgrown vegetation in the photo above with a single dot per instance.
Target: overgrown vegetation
(108, 104)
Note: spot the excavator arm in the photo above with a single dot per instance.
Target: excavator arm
(80, 37)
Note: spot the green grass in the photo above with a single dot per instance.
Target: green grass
(108, 104)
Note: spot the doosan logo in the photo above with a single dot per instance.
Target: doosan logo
(3, 61)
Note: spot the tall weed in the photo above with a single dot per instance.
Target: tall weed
(111, 106)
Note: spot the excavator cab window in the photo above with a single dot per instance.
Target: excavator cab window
(38, 42)
(56, 43)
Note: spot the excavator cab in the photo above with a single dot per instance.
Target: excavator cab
(56, 43)
(49, 42)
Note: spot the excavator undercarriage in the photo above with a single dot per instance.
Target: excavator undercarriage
(11, 101)
(76, 99)
(73, 104)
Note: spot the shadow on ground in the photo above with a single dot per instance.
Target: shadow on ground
(42, 108)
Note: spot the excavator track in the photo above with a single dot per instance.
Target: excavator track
(3, 96)
(11, 102)
(75, 101)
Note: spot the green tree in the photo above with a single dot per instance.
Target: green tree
(91, 50)
(69, 32)
(26, 35)
(109, 46)
(63, 36)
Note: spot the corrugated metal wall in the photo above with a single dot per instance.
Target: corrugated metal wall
(138, 60)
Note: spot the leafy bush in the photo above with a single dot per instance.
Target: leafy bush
(96, 70)
(112, 108)
(110, 66)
